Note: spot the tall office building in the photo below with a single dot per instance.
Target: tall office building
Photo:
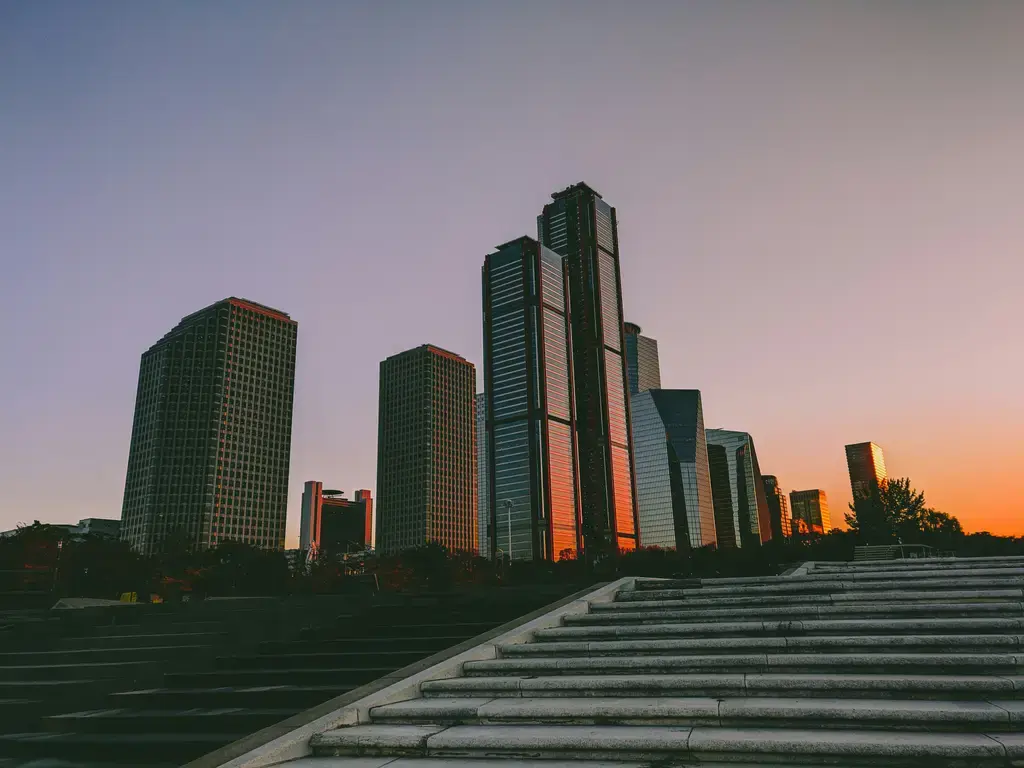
(741, 509)
(534, 510)
(483, 480)
(867, 468)
(812, 508)
(778, 508)
(333, 524)
(212, 434)
(642, 365)
(581, 226)
(426, 451)
(673, 480)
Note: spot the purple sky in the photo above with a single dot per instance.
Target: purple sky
(820, 211)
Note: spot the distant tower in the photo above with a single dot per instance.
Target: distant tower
(211, 440)
(812, 508)
(533, 508)
(426, 451)
(483, 471)
(741, 509)
(581, 226)
(778, 508)
(331, 523)
(673, 479)
(867, 468)
(642, 364)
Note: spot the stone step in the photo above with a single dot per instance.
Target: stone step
(730, 712)
(911, 663)
(168, 721)
(895, 574)
(1007, 609)
(922, 563)
(633, 602)
(701, 745)
(390, 659)
(101, 655)
(133, 749)
(33, 672)
(136, 641)
(901, 686)
(836, 644)
(353, 676)
(257, 696)
(803, 627)
(463, 628)
(797, 586)
(178, 627)
(342, 644)
(447, 762)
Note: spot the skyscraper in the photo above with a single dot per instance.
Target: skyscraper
(642, 366)
(812, 508)
(741, 509)
(581, 226)
(867, 468)
(483, 480)
(331, 523)
(673, 480)
(211, 439)
(778, 508)
(533, 507)
(426, 451)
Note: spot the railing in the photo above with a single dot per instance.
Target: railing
(893, 552)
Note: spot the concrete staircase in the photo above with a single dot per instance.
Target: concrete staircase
(907, 663)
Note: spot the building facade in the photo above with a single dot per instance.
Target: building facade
(483, 478)
(778, 508)
(211, 438)
(741, 508)
(533, 505)
(867, 468)
(579, 225)
(426, 451)
(673, 478)
(331, 523)
(811, 507)
(642, 365)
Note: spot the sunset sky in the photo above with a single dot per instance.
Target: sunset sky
(821, 210)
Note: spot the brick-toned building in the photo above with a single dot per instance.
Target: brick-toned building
(426, 451)
(211, 438)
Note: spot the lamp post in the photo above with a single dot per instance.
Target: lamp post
(508, 510)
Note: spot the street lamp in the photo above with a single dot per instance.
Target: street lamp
(508, 509)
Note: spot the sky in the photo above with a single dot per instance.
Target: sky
(819, 213)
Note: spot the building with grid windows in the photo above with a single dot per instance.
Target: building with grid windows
(778, 508)
(811, 507)
(426, 451)
(483, 480)
(579, 225)
(741, 509)
(211, 437)
(333, 524)
(867, 468)
(533, 505)
(642, 364)
(673, 479)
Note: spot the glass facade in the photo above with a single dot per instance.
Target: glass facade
(741, 507)
(778, 508)
(642, 364)
(483, 477)
(673, 479)
(211, 438)
(580, 226)
(426, 451)
(533, 509)
(867, 468)
(811, 509)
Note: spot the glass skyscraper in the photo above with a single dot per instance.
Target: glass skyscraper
(867, 468)
(483, 477)
(211, 439)
(741, 508)
(426, 451)
(811, 507)
(673, 480)
(581, 226)
(533, 505)
(778, 508)
(642, 364)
